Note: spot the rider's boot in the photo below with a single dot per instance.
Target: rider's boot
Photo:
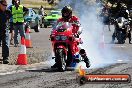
(129, 36)
(130, 42)
(84, 56)
(54, 66)
(86, 60)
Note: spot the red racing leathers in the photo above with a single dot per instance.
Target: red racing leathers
(75, 23)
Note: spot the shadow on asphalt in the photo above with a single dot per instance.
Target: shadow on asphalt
(49, 70)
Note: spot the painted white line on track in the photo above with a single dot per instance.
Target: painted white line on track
(12, 72)
(11, 69)
(120, 46)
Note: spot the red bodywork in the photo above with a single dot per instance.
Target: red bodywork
(71, 20)
(62, 37)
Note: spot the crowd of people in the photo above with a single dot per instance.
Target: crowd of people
(11, 20)
(111, 14)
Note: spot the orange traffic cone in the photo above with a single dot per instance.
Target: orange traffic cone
(22, 57)
(29, 30)
(28, 40)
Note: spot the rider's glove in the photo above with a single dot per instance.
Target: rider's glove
(76, 23)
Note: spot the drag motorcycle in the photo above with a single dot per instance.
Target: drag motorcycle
(122, 28)
(65, 46)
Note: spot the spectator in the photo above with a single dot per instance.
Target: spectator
(41, 11)
(4, 33)
(11, 26)
(18, 12)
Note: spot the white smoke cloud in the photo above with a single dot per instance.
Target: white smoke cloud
(93, 37)
(93, 34)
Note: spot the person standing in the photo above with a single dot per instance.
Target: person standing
(41, 11)
(11, 26)
(18, 12)
(4, 34)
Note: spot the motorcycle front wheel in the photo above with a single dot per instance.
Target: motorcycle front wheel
(61, 59)
(121, 38)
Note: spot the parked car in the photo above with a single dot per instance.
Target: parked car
(33, 19)
(52, 18)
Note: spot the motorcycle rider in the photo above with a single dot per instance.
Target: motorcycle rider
(123, 12)
(67, 17)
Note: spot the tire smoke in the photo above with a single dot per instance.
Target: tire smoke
(93, 33)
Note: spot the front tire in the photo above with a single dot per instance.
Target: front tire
(120, 38)
(61, 59)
